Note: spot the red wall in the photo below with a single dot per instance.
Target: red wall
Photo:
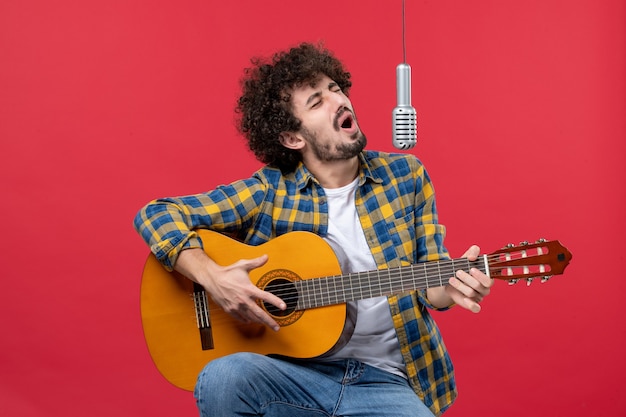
(106, 105)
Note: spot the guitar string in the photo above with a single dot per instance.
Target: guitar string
(219, 316)
(392, 274)
(394, 282)
(424, 268)
(360, 286)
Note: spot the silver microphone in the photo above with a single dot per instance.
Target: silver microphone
(404, 115)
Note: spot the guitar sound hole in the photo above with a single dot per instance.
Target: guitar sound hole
(286, 291)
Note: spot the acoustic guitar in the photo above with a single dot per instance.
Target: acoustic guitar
(184, 329)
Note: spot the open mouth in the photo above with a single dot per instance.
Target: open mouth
(345, 120)
(347, 123)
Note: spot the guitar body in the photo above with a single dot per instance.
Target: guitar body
(169, 318)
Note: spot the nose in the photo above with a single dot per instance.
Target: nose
(339, 100)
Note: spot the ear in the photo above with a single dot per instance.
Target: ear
(291, 140)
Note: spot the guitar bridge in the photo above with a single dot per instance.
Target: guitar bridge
(203, 318)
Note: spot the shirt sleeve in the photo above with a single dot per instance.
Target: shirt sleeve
(430, 233)
(167, 225)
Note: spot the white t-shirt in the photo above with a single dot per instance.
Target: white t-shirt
(374, 339)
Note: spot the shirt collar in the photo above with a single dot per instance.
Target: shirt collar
(366, 172)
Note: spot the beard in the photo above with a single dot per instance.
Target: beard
(325, 151)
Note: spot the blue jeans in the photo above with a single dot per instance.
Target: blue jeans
(248, 384)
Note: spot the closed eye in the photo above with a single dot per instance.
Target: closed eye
(334, 87)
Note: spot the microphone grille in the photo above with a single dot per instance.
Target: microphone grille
(404, 127)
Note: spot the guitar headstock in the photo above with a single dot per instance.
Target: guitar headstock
(528, 261)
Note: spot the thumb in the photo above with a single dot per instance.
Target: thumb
(472, 253)
(250, 264)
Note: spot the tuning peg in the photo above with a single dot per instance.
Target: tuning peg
(524, 243)
(542, 240)
(509, 246)
(513, 281)
(545, 278)
(529, 281)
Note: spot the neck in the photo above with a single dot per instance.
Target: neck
(334, 174)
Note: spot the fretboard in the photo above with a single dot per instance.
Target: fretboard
(337, 289)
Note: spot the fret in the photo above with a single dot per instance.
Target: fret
(310, 295)
(333, 298)
(373, 285)
(386, 274)
(377, 282)
(329, 291)
(308, 300)
(364, 290)
(419, 272)
(318, 291)
(362, 295)
(384, 280)
(399, 282)
(355, 289)
(454, 269)
(341, 292)
(388, 277)
(302, 294)
(420, 275)
(441, 276)
(337, 289)
(411, 280)
(438, 271)
(465, 264)
(354, 286)
(345, 288)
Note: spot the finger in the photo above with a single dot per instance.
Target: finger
(258, 314)
(250, 264)
(467, 283)
(482, 278)
(473, 306)
(476, 280)
(459, 284)
(472, 253)
(270, 298)
(469, 303)
(461, 300)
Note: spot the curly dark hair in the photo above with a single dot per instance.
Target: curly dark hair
(265, 108)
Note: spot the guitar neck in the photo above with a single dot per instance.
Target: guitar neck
(337, 289)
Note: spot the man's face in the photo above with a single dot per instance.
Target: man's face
(329, 125)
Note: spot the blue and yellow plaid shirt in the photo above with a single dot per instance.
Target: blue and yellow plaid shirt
(396, 205)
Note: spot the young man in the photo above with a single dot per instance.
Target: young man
(376, 210)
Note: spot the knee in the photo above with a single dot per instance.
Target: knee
(226, 375)
(226, 371)
(224, 381)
